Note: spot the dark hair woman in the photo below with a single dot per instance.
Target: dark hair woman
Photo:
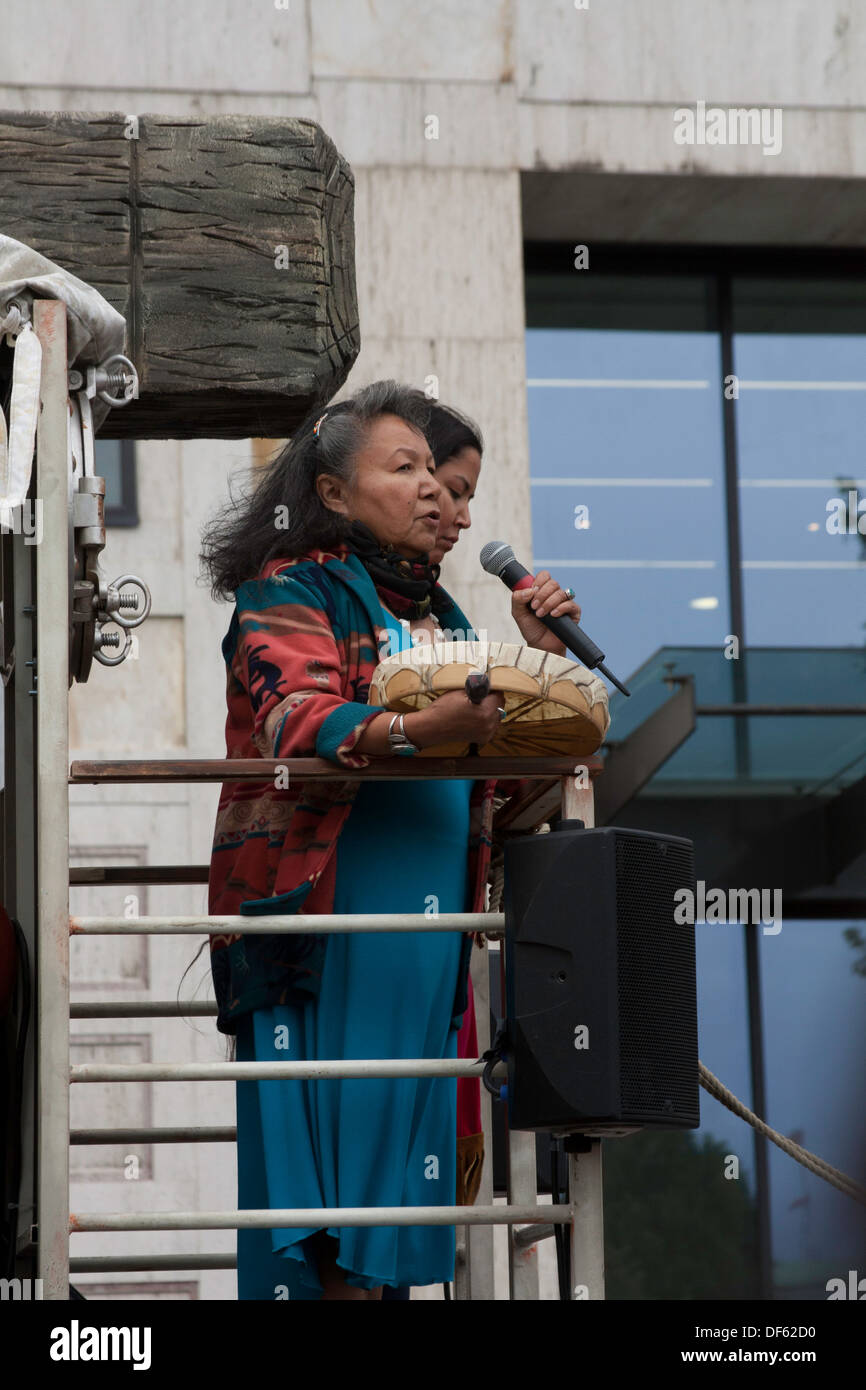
(324, 558)
(457, 449)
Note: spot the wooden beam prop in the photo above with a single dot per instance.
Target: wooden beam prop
(227, 243)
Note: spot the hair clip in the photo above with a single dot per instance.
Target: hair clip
(318, 423)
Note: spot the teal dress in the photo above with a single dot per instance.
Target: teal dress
(364, 1142)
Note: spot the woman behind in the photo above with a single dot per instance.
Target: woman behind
(457, 448)
(457, 452)
(318, 603)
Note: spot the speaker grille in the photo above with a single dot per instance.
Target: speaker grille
(656, 980)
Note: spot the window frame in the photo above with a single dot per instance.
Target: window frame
(125, 511)
(720, 265)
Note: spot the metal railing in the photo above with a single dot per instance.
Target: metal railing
(556, 786)
(521, 1209)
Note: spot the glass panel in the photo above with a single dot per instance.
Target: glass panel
(627, 484)
(675, 1225)
(786, 753)
(811, 305)
(801, 420)
(106, 464)
(814, 1007)
(658, 303)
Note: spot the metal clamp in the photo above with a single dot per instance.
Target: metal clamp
(93, 603)
(102, 639)
(112, 603)
(105, 381)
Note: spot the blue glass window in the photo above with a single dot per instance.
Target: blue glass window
(814, 1008)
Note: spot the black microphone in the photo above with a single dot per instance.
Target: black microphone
(498, 558)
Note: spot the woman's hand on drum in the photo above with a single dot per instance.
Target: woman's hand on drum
(546, 596)
(453, 718)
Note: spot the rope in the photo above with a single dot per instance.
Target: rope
(710, 1083)
(796, 1151)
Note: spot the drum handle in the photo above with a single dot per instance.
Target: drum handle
(477, 686)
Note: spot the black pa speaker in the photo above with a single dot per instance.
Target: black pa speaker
(602, 1030)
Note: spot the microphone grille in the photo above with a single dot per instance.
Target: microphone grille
(495, 555)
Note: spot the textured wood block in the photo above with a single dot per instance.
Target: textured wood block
(226, 242)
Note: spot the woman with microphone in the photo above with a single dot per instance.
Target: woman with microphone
(457, 448)
(329, 552)
(323, 559)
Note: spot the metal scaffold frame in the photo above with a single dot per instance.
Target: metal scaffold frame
(49, 1079)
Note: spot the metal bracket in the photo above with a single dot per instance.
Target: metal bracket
(106, 380)
(94, 605)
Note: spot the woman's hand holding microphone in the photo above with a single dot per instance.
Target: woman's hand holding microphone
(530, 604)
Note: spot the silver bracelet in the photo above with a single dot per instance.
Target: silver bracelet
(400, 742)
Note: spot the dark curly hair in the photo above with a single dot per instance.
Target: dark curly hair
(239, 541)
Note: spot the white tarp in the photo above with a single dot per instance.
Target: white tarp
(94, 332)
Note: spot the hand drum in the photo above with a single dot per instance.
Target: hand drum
(552, 704)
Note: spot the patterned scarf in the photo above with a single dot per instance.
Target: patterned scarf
(409, 587)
